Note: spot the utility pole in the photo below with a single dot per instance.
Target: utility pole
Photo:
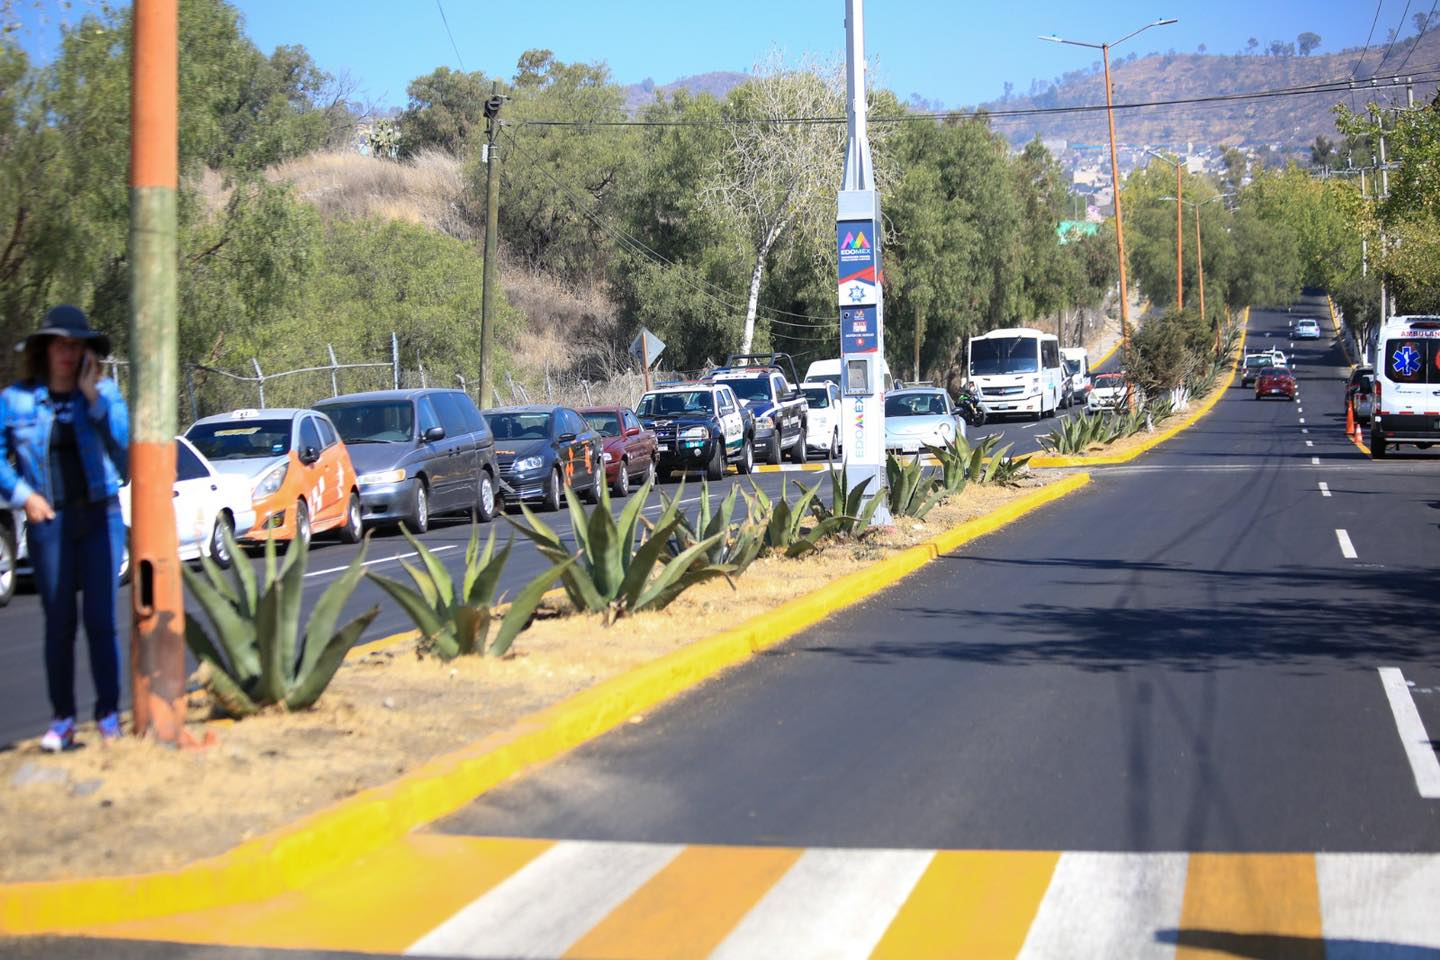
(157, 637)
(492, 235)
(860, 283)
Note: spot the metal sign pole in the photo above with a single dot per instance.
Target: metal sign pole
(861, 283)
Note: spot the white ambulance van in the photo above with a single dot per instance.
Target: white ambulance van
(1407, 384)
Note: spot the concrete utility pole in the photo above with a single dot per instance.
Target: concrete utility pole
(1179, 199)
(492, 235)
(157, 639)
(861, 279)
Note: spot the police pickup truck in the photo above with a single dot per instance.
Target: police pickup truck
(780, 409)
(698, 426)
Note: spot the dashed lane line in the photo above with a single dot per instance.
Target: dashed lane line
(1309, 443)
(1324, 489)
(1347, 549)
(378, 560)
(1315, 461)
(1416, 741)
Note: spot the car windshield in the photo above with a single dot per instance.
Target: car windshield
(372, 421)
(676, 404)
(818, 397)
(750, 388)
(519, 426)
(604, 422)
(1109, 380)
(915, 405)
(1264, 361)
(241, 439)
(998, 355)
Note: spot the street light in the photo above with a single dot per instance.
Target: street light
(1179, 198)
(1104, 49)
(1200, 249)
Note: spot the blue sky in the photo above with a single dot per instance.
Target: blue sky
(950, 51)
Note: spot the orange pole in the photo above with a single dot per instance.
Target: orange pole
(1119, 220)
(157, 644)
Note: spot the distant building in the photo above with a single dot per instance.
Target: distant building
(1069, 230)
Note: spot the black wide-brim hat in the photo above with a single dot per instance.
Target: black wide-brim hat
(68, 321)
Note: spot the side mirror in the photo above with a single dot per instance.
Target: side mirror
(434, 434)
(632, 431)
(567, 438)
(309, 455)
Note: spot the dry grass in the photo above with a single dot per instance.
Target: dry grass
(133, 807)
(428, 189)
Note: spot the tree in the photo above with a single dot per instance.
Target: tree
(1307, 42)
(1251, 44)
(446, 111)
(1323, 152)
(1422, 23)
(775, 176)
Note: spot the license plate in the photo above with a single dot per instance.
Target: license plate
(664, 448)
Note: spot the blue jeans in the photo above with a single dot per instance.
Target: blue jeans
(80, 550)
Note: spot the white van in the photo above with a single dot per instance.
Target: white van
(1407, 384)
(1016, 370)
(1079, 357)
(830, 370)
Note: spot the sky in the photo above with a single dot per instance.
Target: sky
(951, 52)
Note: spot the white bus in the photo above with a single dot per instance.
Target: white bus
(1016, 370)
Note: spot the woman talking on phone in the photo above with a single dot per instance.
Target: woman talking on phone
(64, 434)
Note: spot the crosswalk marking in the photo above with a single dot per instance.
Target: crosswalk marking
(1105, 905)
(833, 904)
(1230, 897)
(549, 903)
(1368, 899)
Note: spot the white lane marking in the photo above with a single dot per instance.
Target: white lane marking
(1030, 426)
(1379, 898)
(1304, 429)
(371, 563)
(550, 903)
(1315, 461)
(831, 903)
(1302, 419)
(1109, 905)
(1346, 547)
(1324, 489)
(1309, 443)
(1413, 737)
(1299, 409)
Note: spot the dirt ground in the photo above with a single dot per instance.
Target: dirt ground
(133, 807)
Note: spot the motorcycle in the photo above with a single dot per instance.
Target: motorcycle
(967, 402)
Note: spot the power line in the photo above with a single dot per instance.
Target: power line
(640, 248)
(458, 58)
(1418, 37)
(1366, 49)
(1396, 38)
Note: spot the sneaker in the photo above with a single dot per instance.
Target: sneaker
(60, 736)
(109, 726)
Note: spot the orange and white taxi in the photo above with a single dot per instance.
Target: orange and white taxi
(302, 481)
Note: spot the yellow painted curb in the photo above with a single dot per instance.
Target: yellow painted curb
(294, 855)
(1335, 326)
(1106, 355)
(1162, 436)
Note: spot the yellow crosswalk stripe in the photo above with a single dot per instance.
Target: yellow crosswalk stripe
(976, 904)
(688, 907)
(1261, 905)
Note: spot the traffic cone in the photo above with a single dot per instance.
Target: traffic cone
(1349, 419)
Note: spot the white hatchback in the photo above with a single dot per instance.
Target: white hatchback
(822, 429)
(206, 500)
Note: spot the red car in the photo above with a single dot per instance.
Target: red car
(629, 449)
(1275, 382)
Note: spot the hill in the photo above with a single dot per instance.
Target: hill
(717, 83)
(1292, 121)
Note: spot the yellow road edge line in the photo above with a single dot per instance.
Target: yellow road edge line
(1159, 438)
(296, 854)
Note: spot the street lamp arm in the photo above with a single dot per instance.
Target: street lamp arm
(1073, 43)
(1162, 22)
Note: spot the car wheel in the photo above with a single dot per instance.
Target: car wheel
(485, 504)
(746, 464)
(7, 565)
(621, 486)
(591, 495)
(354, 527)
(798, 453)
(834, 452)
(219, 552)
(1377, 446)
(649, 476)
(551, 498)
(772, 451)
(715, 469)
(419, 519)
(302, 522)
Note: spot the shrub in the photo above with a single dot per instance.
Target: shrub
(911, 491)
(733, 544)
(848, 508)
(783, 523)
(257, 658)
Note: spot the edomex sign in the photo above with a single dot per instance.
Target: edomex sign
(859, 286)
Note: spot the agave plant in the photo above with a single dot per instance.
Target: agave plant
(848, 506)
(783, 522)
(258, 657)
(1076, 434)
(980, 464)
(911, 491)
(738, 543)
(456, 622)
(610, 573)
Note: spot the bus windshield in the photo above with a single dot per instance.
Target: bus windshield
(1000, 355)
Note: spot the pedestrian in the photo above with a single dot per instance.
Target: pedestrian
(64, 438)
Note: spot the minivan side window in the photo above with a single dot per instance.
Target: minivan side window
(310, 435)
(428, 417)
(452, 417)
(473, 420)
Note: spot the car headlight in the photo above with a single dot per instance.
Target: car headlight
(766, 422)
(528, 463)
(271, 481)
(383, 476)
(608, 456)
(697, 433)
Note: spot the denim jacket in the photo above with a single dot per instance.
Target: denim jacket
(103, 436)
